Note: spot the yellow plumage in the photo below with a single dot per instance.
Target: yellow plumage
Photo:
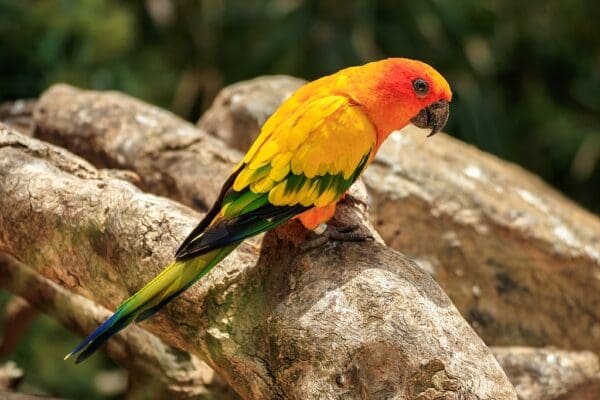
(307, 155)
(329, 135)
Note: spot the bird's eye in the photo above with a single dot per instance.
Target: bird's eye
(420, 87)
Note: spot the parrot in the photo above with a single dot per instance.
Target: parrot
(307, 155)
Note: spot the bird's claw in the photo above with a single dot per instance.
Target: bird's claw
(347, 233)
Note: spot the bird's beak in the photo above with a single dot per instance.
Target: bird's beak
(433, 117)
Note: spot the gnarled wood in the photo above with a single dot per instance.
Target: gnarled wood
(551, 374)
(517, 258)
(251, 103)
(353, 319)
(171, 157)
(18, 114)
(155, 370)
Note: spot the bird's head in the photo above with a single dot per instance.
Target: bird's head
(397, 92)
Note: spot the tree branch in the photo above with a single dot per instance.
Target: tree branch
(287, 324)
(517, 258)
(155, 370)
(171, 157)
(549, 374)
(18, 115)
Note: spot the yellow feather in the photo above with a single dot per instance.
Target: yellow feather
(301, 192)
(263, 185)
(248, 176)
(279, 173)
(265, 154)
(278, 197)
(299, 160)
(311, 138)
(323, 167)
(281, 159)
(310, 168)
(311, 195)
(272, 122)
(298, 133)
(349, 169)
(256, 145)
(276, 194)
(242, 179)
(333, 169)
(326, 198)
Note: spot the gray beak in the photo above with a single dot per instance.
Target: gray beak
(433, 117)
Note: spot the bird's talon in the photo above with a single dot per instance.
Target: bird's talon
(347, 233)
(354, 235)
(314, 243)
(347, 228)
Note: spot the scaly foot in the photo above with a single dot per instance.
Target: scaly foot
(327, 233)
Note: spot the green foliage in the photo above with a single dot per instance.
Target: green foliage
(525, 75)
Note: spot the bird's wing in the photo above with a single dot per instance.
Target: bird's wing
(302, 159)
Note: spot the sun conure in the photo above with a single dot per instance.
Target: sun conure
(308, 153)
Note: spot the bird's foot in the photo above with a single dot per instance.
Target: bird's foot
(328, 233)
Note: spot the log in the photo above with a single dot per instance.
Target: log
(251, 102)
(18, 114)
(128, 134)
(551, 374)
(518, 259)
(155, 370)
(274, 321)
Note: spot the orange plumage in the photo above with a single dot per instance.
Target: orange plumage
(328, 125)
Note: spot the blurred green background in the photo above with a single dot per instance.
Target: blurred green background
(526, 76)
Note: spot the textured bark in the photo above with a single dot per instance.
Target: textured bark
(352, 320)
(155, 370)
(171, 157)
(17, 314)
(18, 114)
(517, 258)
(251, 102)
(520, 260)
(551, 374)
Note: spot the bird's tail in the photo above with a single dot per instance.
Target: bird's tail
(171, 282)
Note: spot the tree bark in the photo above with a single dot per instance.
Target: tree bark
(171, 157)
(155, 370)
(251, 103)
(18, 115)
(352, 320)
(518, 259)
(551, 374)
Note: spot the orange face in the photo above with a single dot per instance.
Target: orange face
(413, 82)
(401, 91)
